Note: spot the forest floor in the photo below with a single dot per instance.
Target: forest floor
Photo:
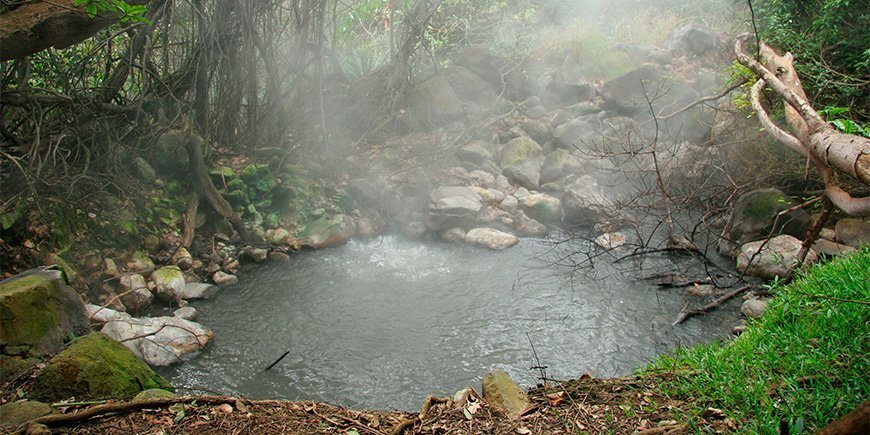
(586, 405)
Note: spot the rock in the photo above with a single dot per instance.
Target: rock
(778, 258)
(39, 313)
(537, 130)
(449, 96)
(521, 193)
(753, 308)
(170, 283)
(222, 278)
(625, 95)
(452, 206)
(576, 134)
(509, 203)
(278, 257)
(103, 315)
(692, 40)
(22, 411)
(94, 367)
(327, 231)
(753, 218)
(490, 238)
(198, 290)
(526, 173)
(525, 226)
(140, 262)
(611, 240)
(481, 178)
(828, 234)
(110, 269)
(257, 255)
(453, 235)
(500, 72)
(584, 202)
(542, 207)
(144, 170)
(160, 341)
(13, 366)
(701, 290)
(853, 232)
(503, 184)
(517, 150)
(278, 236)
(475, 152)
(367, 192)
(182, 259)
(500, 391)
(558, 164)
(133, 292)
(186, 313)
(154, 393)
(169, 154)
(832, 249)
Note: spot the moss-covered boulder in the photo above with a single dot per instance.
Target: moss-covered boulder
(517, 150)
(154, 393)
(39, 313)
(22, 411)
(94, 367)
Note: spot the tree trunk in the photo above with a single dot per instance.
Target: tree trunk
(39, 25)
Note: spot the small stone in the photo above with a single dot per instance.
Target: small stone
(611, 240)
(521, 193)
(503, 393)
(828, 234)
(739, 329)
(110, 269)
(754, 308)
(231, 265)
(222, 279)
(257, 255)
(182, 259)
(198, 290)
(140, 262)
(509, 203)
(186, 313)
(278, 257)
(278, 236)
(490, 238)
(453, 235)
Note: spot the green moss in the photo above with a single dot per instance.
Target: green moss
(20, 322)
(321, 225)
(94, 367)
(767, 204)
(237, 185)
(252, 172)
(518, 150)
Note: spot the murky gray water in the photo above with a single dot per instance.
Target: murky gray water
(383, 323)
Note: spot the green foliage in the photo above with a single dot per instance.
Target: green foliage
(829, 40)
(126, 12)
(846, 125)
(805, 362)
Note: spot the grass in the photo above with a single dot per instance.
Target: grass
(804, 363)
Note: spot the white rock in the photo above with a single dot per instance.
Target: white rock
(611, 240)
(102, 315)
(169, 283)
(222, 278)
(490, 238)
(777, 258)
(198, 290)
(159, 341)
(186, 313)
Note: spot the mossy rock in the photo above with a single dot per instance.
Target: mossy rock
(753, 218)
(154, 393)
(22, 411)
(517, 150)
(39, 313)
(13, 366)
(94, 367)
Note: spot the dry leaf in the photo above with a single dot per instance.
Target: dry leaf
(523, 431)
(473, 407)
(225, 408)
(556, 398)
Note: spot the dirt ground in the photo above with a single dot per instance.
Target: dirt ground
(586, 405)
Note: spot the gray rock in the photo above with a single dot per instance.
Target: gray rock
(133, 292)
(509, 203)
(140, 262)
(490, 238)
(753, 308)
(453, 235)
(500, 391)
(525, 226)
(186, 313)
(22, 411)
(777, 258)
(503, 184)
(452, 206)
(475, 152)
(853, 231)
(692, 40)
(517, 150)
(169, 283)
(521, 193)
(160, 341)
(576, 134)
(526, 173)
(481, 178)
(558, 164)
(257, 255)
(584, 202)
(542, 207)
(611, 240)
(102, 315)
(753, 217)
(537, 130)
(832, 249)
(144, 169)
(198, 290)
(278, 257)
(182, 259)
(222, 278)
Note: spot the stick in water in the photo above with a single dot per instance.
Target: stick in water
(276, 361)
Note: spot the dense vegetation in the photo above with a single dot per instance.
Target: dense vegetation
(804, 363)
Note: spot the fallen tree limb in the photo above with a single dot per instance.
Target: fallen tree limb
(686, 313)
(113, 408)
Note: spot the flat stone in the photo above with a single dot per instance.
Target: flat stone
(186, 313)
(777, 258)
(222, 278)
(500, 391)
(754, 308)
(22, 411)
(490, 238)
(198, 290)
(832, 249)
(257, 255)
(853, 231)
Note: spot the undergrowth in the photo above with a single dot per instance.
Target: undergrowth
(803, 364)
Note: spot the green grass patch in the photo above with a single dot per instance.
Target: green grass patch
(805, 362)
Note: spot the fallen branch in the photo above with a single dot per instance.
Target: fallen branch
(686, 313)
(114, 408)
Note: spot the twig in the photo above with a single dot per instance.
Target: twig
(276, 361)
(404, 425)
(685, 313)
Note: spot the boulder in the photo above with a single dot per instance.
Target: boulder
(39, 313)
(490, 238)
(777, 258)
(257, 255)
(327, 231)
(453, 235)
(476, 152)
(169, 283)
(537, 130)
(186, 313)
(198, 290)
(154, 393)
(559, 163)
(853, 231)
(753, 217)
(627, 94)
(452, 206)
(525, 226)
(498, 71)
(526, 173)
(222, 278)
(102, 315)
(94, 367)
(753, 308)
(576, 134)
(517, 150)
(500, 391)
(692, 40)
(542, 207)
(584, 202)
(832, 249)
(160, 341)
(21, 411)
(140, 262)
(133, 292)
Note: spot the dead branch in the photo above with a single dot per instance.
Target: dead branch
(686, 313)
